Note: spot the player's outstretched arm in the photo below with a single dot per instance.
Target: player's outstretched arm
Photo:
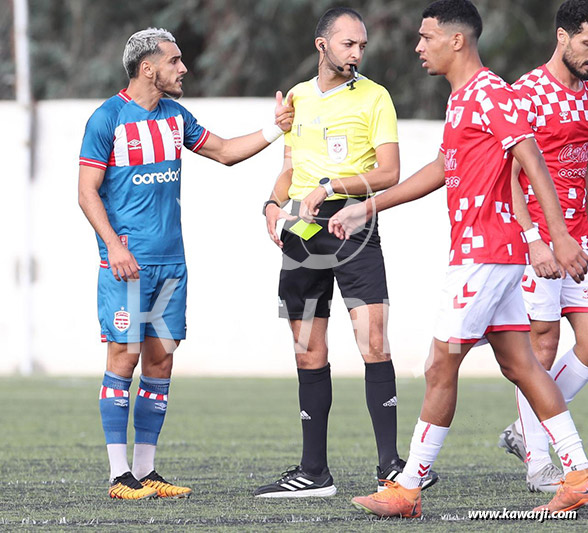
(540, 254)
(279, 195)
(232, 151)
(430, 178)
(383, 176)
(122, 262)
(567, 251)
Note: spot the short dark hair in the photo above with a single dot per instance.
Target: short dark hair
(571, 15)
(455, 12)
(325, 24)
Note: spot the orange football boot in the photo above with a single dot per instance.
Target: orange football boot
(164, 488)
(572, 493)
(395, 500)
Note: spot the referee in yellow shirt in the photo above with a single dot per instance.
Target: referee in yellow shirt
(343, 147)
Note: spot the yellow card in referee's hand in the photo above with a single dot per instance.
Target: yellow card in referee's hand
(305, 230)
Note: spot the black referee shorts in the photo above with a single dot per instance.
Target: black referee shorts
(310, 267)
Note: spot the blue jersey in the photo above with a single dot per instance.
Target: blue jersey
(140, 151)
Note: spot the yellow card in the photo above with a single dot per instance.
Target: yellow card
(305, 230)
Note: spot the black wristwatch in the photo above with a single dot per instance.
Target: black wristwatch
(265, 204)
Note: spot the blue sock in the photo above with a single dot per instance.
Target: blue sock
(114, 407)
(150, 409)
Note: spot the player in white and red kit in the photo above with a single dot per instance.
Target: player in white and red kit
(555, 99)
(484, 129)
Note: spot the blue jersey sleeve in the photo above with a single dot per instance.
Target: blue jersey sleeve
(98, 140)
(195, 136)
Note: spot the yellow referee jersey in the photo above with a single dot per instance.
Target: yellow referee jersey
(335, 134)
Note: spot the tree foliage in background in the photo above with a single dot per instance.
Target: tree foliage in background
(254, 47)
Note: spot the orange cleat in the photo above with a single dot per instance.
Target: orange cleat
(395, 500)
(164, 488)
(126, 487)
(572, 493)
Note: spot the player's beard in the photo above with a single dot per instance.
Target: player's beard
(574, 65)
(170, 91)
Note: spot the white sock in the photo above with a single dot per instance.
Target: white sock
(117, 456)
(143, 460)
(570, 374)
(566, 442)
(536, 441)
(426, 443)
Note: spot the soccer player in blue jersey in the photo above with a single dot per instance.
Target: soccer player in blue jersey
(129, 189)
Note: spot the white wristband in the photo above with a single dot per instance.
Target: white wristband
(532, 235)
(271, 132)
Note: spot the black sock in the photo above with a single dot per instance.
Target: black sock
(380, 393)
(315, 396)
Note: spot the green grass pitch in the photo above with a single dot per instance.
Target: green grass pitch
(224, 437)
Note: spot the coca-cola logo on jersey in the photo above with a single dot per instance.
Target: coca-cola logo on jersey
(450, 160)
(571, 154)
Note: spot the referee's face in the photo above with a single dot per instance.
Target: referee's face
(347, 42)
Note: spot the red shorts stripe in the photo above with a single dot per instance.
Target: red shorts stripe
(508, 327)
(568, 310)
(454, 340)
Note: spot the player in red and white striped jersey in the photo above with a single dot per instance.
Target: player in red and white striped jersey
(554, 97)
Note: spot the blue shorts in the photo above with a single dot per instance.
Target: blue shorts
(154, 305)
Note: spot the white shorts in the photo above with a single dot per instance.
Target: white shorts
(549, 299)
(478, 299)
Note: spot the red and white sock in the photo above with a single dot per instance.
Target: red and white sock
(426, 444)
(566, 442)
(570, 375)
(536, 441)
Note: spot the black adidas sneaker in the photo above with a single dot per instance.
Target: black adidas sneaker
(295, 483)
(397, 466)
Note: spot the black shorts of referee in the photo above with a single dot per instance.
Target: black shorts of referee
(309, 267)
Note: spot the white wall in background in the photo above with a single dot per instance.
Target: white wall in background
(233, 328)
